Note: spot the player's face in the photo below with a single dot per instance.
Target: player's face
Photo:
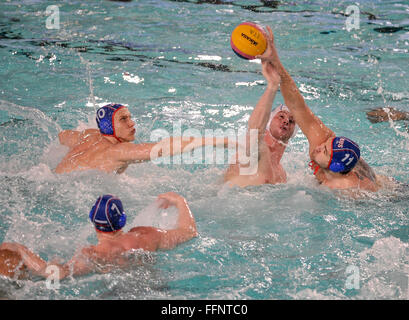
(322, 153)
(282, 126)
(124, 125)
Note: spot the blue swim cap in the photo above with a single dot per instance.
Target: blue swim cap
(105, 118)
(107, 214)
(344, 155)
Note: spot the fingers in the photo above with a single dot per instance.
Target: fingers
(270, 44)
(162, 203)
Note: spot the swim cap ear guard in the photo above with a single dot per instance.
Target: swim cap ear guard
(344, 155)
(105, 118)
(107, 214)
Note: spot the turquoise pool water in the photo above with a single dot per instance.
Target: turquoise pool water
(171, 61)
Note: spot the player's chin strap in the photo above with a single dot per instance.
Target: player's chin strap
(314, 166)
(112, 135)
(117, 138)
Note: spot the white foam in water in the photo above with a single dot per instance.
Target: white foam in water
(393, 125)
(40, 172)
(384, 270)
(93, 102)
(250, 84)
(157, 217)
(208, 58)
(129, 77)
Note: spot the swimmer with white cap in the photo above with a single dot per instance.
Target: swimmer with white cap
(108, 218)
(110, 147)
(272, 131)
(336, 161)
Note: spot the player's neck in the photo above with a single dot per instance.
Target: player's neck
(276, 147)
(113, 139)
(108, 236)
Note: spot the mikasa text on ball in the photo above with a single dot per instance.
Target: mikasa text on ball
(248, 40)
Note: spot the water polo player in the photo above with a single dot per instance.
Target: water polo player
(110, 149)
(336, 161)
(108, 217)
(274, 129)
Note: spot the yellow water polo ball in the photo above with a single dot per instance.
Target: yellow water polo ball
(248, 40)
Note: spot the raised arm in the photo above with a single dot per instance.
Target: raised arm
(313, 128)
(186, 226)
(261, 113)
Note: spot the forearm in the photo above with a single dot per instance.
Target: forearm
(186, 220)
(178, 145)
(33, 262)
(261, 113)
(292, 96)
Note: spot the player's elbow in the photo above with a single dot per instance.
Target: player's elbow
(187, 234)
(61, 136)
(191, 232)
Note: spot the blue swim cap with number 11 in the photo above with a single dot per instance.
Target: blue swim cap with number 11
(345, 154)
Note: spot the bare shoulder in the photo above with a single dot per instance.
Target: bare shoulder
(146, 238)
(70, 138)
(342, 182)
(143, 230)
(352, 180)
(146, 231)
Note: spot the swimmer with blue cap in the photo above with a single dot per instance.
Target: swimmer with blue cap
(108, 217)
(336, 160)
(107, 214)
(273, 129)
(105, 119)
(110, 148)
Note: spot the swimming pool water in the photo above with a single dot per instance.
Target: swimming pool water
(171, 61)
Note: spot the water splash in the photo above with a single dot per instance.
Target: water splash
(154, 215)
(387, 109)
